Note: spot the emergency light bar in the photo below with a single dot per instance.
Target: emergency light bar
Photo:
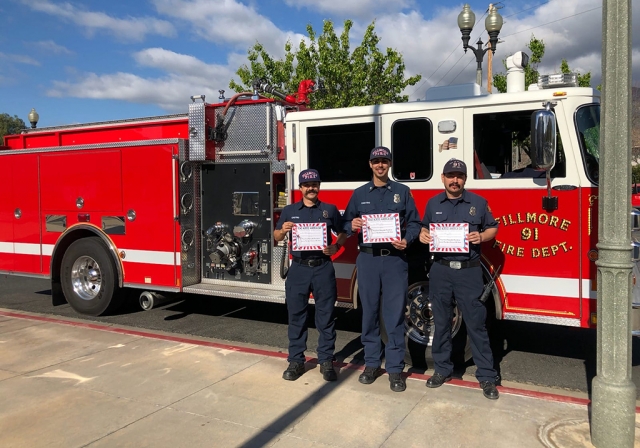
(557, 80)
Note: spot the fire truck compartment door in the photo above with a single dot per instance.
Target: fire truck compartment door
(89, 177)
(20, 248)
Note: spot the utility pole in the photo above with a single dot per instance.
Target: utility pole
(614, 394)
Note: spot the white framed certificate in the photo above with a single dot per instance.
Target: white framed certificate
(381, 228)
(309, 236)
(449, 237)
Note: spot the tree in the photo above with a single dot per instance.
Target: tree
(10, 125)
(583, 80)
(360, 77)
(537, 47)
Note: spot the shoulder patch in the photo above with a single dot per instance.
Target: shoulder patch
(489, 208)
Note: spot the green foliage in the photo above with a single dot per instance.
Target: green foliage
(360, 77)
(536, 52)
(635, 174)
(10, 125)
(537, 48)
(583, 80)
(592, 141)
(500, 82)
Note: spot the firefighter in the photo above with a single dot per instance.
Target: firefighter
(311, 271)
(459, 275)
(382, 268)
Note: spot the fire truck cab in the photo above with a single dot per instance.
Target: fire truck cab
(188, 203)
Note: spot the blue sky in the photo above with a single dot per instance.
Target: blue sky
(82, 61)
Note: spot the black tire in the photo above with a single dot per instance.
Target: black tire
(88, 278)
(419, 327)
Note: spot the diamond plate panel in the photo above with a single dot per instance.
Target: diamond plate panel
(190, 221)
(276, 280)
(196, 132)
(252, 134)
(564, 321)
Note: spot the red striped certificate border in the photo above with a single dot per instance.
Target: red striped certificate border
(366, 238)
(295, 232)
(433, 229)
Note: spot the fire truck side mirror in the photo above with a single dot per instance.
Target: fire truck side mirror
(543, 138)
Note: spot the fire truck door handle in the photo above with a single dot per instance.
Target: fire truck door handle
(269, 127)
(17, 213)
(291, 178)
(564, 187)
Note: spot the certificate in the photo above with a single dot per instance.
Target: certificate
(309, 236)
(449, 237)
(381, 228)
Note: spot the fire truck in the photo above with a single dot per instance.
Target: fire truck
(188, 203)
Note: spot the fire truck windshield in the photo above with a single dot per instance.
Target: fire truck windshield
(588, 127)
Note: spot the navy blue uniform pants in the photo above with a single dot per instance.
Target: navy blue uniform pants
(382, 285)
(302, 280)
(466, 286)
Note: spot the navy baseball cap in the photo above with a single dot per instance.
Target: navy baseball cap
(380, 152)
(455, 166)
(308, 176)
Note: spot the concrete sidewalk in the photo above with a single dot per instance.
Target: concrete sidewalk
(71, 383)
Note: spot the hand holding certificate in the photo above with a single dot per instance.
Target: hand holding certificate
(309, 236)
(449, 237)
(381, 228)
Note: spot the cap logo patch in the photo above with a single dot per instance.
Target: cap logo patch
(379, 152)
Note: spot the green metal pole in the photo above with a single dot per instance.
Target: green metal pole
(614, 394)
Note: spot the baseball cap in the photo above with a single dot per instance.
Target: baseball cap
(380, 152)
(308, 176)
(455, 166)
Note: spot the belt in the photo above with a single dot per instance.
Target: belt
(380, 252)
(459, 264)
(312, 262)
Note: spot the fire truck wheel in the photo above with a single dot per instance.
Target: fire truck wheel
(419, 329)
(88, 277)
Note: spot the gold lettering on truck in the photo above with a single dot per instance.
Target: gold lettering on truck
(535, 224)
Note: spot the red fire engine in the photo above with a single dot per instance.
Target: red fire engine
(187, 203)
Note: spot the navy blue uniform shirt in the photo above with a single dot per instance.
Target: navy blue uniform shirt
(469, 208)
(319, 212)
(390, 198)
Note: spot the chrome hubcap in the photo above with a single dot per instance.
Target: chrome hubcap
(419, 325)
(86, 278)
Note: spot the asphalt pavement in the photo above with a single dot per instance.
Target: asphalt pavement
(544, 355)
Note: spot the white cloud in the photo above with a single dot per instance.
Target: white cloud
(19, 58)
(186, 76)
(431, 47)
(228, 22)
(354, 8)
(50, 46)
(570, 29)
(135, 28)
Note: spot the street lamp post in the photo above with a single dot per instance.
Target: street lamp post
(33, 118)
(493, 24)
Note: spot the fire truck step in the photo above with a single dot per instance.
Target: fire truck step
(242, 291)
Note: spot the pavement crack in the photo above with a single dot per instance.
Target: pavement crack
(424, 395)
